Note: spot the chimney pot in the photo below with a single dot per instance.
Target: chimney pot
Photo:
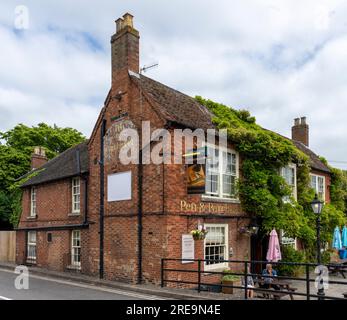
(296, 121)
(128, 20)
(303, 120)
(119, 24)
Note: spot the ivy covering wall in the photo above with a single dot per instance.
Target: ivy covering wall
(262, 189)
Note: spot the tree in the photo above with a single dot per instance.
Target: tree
(15, 154)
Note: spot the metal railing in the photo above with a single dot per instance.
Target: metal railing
(196, 282)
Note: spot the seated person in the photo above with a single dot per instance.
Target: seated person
(269, 273)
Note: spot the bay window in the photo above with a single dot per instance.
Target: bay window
(221, 173)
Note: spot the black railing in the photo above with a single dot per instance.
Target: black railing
(276, 287)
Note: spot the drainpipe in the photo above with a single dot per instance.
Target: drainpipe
(139, 217)
(102, 196)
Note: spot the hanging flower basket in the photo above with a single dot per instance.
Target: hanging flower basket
(248, 231)
(199, 234)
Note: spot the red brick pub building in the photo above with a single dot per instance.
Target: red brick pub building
(87, 212)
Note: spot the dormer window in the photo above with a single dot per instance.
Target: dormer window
(76, 195)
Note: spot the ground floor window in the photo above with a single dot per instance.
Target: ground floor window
(31, 247)
(216, 246)
(287, 241)
(76, 248)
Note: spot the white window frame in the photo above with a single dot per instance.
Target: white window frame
(294, 187)
(30, 245)
(287, 241)
(220, 193)
(33, 202)
(76, 193)
(74, 247)
(223, 265)
(317, 176)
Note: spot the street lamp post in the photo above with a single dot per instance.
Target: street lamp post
(317, 207)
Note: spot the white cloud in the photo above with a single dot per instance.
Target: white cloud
(278, 59)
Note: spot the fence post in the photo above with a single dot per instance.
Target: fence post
(162, 273)
(308, 282)
(199, 275)
(245, 279)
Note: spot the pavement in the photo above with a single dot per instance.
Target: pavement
(50, 285)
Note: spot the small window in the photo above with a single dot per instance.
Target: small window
(31, 247)
(216, 246)
(49, 237)
(76, 195)
(33, 202)
(289, 175)
(76, 248)
(318, 185)
(287, 241)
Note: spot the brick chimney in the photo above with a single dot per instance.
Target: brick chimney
(125, 49)
(300, 131)
(38, 158)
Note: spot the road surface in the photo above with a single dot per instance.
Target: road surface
(47, 288)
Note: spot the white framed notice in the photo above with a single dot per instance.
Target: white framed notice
(187, 247)
(119, 186)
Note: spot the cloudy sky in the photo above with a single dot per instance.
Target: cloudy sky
(278, 59)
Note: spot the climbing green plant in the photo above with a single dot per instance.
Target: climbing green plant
(262, 189)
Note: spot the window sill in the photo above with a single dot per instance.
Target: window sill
(74, 214)
(72, 267)
(216, 199)
(32, 217)
(219, 268)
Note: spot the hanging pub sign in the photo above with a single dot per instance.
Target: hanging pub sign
(196, 171)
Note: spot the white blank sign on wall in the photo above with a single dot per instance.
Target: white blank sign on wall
(119, 186)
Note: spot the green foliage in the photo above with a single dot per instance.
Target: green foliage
(338, 189)
(229, 276)
(289, 254)
(15, 152)
(262, 190)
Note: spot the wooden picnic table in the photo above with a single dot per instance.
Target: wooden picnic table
(284, 285)
(339, 267)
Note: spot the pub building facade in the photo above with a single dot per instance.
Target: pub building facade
(86, 211)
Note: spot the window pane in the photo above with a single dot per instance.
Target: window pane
(215, 245)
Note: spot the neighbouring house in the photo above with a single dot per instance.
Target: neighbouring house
(86, 211)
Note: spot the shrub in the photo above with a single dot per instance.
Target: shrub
(289, 254)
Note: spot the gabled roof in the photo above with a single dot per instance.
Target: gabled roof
(184, 110)
(71, 162)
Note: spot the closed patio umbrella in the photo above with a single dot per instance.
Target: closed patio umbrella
(344, 237)
(337, 243)
(274, 251)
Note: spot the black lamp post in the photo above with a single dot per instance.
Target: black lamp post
(317, 207)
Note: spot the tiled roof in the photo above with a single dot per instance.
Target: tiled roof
(186, 111)
(173, 105)
(315, 162)
(72, 162)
